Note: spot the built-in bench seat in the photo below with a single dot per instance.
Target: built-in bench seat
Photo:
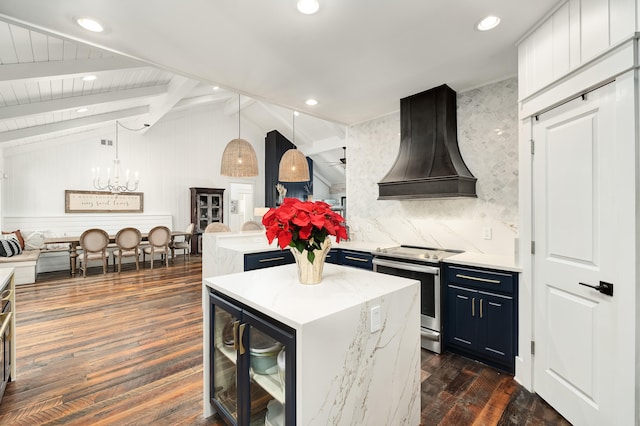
(24, 266)
(57, 258)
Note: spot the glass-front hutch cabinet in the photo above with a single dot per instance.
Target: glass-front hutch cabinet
(252, 365)
(206, 207)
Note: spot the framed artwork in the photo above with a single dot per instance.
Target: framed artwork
(102, 202)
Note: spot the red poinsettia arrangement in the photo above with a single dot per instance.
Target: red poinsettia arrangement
(303, 225)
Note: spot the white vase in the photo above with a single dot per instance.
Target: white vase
(311, 272)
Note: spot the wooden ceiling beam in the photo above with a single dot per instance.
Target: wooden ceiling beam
(76, 123)
(179, 87)
(86, 101)
(46, 71)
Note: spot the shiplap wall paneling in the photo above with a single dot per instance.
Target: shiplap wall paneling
(76, 224)
(577, 32)
(182, 150)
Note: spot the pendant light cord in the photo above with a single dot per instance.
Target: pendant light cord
(238, 115)
(119, 124)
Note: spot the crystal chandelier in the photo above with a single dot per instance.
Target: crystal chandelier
(113, 182)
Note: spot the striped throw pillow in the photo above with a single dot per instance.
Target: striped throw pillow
(10, 247)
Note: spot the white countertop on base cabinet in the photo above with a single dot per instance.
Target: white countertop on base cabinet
(346, 374)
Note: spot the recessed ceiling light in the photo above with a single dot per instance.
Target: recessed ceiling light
(308, 7)
(90, 24)
(83, 110)
(311, 102)
(488, 23)
(296, 113)
(89, 77)
(216, 88)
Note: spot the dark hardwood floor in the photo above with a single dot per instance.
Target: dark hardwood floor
(126, 349)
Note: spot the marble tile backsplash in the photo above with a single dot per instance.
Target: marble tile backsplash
(488, 141)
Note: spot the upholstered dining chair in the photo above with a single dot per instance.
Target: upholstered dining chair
(186, 243)
(217, 227)
(94, 247)
(159, 239)
(128, 242)
(251, 225)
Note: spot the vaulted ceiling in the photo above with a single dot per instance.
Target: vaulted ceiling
(356, 57)
(43, 95)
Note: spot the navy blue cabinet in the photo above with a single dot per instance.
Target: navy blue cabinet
(358, 259)
(266, 259)
(333, 256)
(275, 147)
(337, 256)
(462, 328)
(480, 318)
(244, 372)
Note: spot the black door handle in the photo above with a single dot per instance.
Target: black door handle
(604, 288)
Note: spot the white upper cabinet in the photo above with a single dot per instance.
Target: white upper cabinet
(576, 32)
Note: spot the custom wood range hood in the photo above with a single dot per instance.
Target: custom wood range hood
(429, 164)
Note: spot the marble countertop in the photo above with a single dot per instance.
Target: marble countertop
(248, 243)
(277, 292)
(366, 246)
(485, 261)
(256, 241)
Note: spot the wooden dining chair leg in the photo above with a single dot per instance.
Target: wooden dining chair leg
(137, 260)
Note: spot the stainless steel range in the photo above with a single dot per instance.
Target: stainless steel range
(422, 264)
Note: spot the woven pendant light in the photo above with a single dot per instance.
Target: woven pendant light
(239, 158)
(293, 164)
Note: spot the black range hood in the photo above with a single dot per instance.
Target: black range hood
(429, 164)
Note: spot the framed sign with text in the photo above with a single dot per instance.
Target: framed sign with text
(102, 202)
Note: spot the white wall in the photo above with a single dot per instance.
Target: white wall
(182, 150)
(490, 154)
(320, 189)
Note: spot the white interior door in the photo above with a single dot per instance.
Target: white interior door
(576, 348)
(240, 205)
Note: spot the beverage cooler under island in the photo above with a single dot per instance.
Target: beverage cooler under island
(342, 352)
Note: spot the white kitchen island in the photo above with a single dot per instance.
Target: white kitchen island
(346, 374)
(223, 252)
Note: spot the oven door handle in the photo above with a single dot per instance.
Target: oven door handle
(406, 266)
(430, 334)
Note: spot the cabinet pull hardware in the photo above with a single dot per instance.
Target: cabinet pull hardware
(473, 307)
(271, 259)
(235, 335)
(240, 335)
(359, 259)
(484, 280)
(8, 295)
(480, 308)
(5, 323)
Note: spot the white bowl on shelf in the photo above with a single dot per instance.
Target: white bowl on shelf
(275, 414)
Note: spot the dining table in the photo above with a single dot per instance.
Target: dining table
(74, 244)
